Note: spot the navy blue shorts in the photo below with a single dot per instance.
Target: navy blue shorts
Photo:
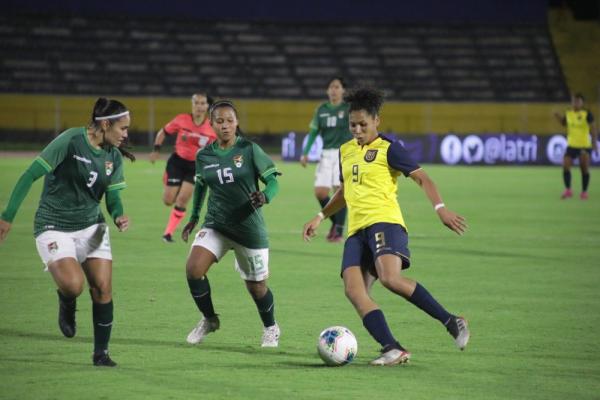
(366, 245)
(575, 152)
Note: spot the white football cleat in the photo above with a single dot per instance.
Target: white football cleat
(270, 337)
(458, 327)
(204, 327)
(392, 357)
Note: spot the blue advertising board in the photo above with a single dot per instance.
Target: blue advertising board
(463, 149)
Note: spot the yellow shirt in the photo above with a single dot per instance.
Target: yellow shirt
(578, 128)
(370, 175)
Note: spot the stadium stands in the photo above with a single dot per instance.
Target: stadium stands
(157, 57)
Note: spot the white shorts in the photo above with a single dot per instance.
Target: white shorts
(252, 264)
(328, 169)
(91, 242)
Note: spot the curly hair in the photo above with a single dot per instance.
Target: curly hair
(365, 98)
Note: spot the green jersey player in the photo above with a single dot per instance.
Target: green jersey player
(231, 167)
(331, 122)
(80, 166)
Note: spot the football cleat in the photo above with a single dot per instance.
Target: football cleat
(168, 238)
(270, 337)
(458, 328)
(392, 356)
(583, 196)
(568, 193)
(204, 327)
(334, 235)
(66, 315)
(103, 360)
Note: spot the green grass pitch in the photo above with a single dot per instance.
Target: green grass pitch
(526, 275)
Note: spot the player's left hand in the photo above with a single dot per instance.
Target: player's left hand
(258, 199)
(4, 228)
(452, 220)
(122, 223)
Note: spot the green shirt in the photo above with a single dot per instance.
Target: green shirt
(331, 122)
(231, 175)
(78, 176)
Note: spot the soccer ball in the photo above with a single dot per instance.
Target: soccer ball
(337, 346)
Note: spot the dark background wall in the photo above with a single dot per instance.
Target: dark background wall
(434, 11)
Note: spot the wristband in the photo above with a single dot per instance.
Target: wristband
(156, 147)
(438, 206)
(321, 215)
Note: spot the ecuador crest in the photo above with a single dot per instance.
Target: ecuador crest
(370, 155)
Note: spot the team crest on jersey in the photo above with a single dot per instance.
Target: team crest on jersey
(341, 114)
(201, 234)
(238, 160)
(109, 167)
(370, 155)
(52, 247)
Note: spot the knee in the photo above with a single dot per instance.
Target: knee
(257, 290)
(390, 282)
(396, 284)
(193, 270)
(168, 202)
(72, 287)
(101, 293)
(181, 203)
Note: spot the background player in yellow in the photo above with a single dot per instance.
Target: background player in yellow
(582, 139)
(377, 243)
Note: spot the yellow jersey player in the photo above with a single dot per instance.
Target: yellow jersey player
(377, 242)
(582, 138)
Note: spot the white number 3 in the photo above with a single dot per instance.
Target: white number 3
(92, 178)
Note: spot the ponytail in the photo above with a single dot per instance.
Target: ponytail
(111, 110)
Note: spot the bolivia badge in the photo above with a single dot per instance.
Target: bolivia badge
(238, 160)
(52, 247)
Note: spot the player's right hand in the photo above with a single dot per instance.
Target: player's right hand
(189, 227)
(154, 156)
(310, 228)
(303, 160)
(4, 228)
(452, 220)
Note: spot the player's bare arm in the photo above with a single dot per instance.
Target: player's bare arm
(158, 141)
(560, 118)
(452, 220)
(594, 133)
(336, 203)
